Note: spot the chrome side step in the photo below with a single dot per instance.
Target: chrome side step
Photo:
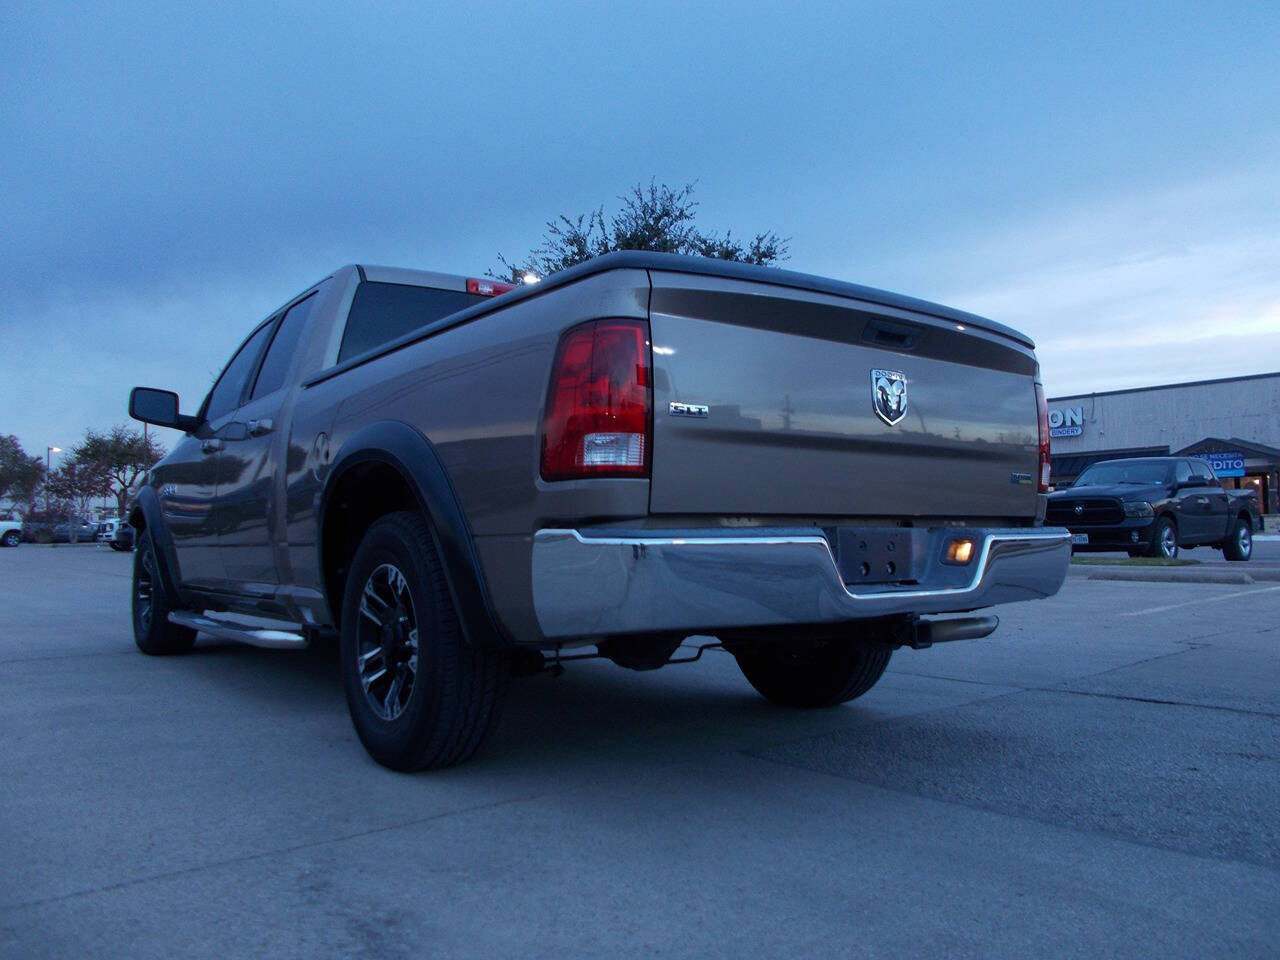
(254, 634)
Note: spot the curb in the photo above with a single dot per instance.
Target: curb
(1169, 576)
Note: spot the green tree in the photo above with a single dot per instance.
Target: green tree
(122, 457)
(655, 217)
(20, 473)
(77, 484)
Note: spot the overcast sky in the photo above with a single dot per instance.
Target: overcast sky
(1104, 176)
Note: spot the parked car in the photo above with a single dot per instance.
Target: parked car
(634, 451)
(116, 533)
(83, 529)
(1153, 506)
(10, 533)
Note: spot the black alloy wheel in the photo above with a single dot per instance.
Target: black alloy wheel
(152, 631)
(420, 696)
(387, 642)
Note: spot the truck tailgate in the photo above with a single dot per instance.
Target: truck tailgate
(788, 379)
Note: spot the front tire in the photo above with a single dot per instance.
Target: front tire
(1239, 546)
(420, 697)
(821, 673)
(152, 631)
(11, 538)
(1164, 540)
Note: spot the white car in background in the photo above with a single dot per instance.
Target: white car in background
(117, 534)
(10, 532)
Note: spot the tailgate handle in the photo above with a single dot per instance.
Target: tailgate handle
(898, 336)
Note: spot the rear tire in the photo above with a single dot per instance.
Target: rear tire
(420, 697)
(1239, 546)
(152, 631)
(11, 538)
(1164, 540)
(815, 674)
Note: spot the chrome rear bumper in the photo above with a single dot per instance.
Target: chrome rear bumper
(593, 583)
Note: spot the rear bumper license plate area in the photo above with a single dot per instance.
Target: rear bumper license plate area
(876, 554)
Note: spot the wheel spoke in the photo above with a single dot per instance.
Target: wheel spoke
(374, 607)
(397, 582)
(392, 702)
(373, 678)
(364, 658)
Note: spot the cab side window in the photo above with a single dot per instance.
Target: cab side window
(1182, 472)
(226, 393)
(1201, 469)
(283, 346)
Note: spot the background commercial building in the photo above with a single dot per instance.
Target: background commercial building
(1233, 423)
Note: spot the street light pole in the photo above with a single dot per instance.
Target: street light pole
(48, 454)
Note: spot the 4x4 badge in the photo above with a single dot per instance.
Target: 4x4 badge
(889, 395)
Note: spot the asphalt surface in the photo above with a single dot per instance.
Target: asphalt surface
(1266, 555)
(1099, 778)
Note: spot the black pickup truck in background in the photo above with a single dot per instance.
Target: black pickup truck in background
(1152, 506)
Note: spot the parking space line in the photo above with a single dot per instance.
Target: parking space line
(1192, 603)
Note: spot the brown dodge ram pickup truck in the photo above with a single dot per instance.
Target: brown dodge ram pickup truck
(640, 449)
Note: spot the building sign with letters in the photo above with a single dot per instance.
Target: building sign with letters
(1067, 422)
(1225, 463)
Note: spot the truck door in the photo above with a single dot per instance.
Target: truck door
(251, 482)
(1218, 504)
(187, 484)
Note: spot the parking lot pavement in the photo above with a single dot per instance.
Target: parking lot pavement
(1266, 556)
(1098, 778)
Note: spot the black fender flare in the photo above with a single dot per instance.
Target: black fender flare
(404, 448)
(147, 504)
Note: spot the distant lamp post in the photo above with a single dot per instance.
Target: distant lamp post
(48, 454)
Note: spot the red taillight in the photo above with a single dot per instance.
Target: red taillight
(1042, 408)
(488, 288)
(598, 420)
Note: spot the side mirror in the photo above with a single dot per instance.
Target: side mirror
(159, 407)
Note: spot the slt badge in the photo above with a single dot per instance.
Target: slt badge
(889, 395)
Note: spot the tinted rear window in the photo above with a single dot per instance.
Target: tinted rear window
(381, 312)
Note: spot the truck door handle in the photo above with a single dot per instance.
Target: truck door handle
(212, 445)
(258, 427)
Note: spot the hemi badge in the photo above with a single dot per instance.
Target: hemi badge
(701, 411)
